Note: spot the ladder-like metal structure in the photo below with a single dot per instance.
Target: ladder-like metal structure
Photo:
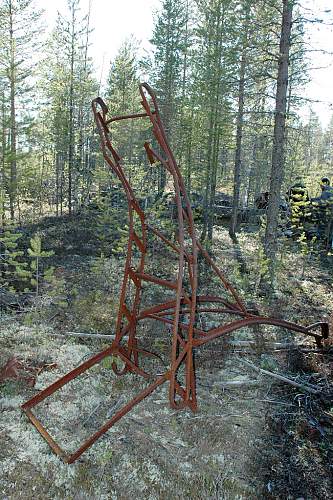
(181, 312)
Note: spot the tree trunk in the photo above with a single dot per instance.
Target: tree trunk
(215, 157)
(3, 181)
(71, 118)
(215, 39)
(81, 124)
(207, 180)
(239, 126)
(277, 168)
(238, 153)
(13, 164)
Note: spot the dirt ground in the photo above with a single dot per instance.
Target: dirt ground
(251, 438)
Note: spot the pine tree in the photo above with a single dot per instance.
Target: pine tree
(19, 36)
(68, 88)
(278, 152)
(243, 67)
(14, 271)
(123, 98)
(168, 65)
(36, 255)
(214, 62)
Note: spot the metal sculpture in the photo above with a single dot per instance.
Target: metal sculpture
(182, 310)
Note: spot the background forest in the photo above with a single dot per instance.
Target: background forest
(230, 78)
(213, 65)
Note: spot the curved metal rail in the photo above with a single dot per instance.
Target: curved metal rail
(186, 303)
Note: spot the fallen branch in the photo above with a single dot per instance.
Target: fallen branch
(227, 383)
(84, 335)
(225, 415)
(267, 345)
(238, 383)
(274, 401)
(232, 343)
(303, 387)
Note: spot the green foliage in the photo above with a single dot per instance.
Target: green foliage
(20, 32)
(55, 288)
(37, 255)
(163, 215)
(94, 311)
(268, 362)
(92, 306)
(101, 272)
(107, 362)
(308, 247)
(67, 137)
(110, 229)
(263, 266)
(14, 272)
(17, 274)
(263, 263)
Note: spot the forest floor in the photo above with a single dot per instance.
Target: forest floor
(252, 436)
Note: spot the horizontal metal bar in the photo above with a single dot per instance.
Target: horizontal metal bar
(158, 281)
(127, 117)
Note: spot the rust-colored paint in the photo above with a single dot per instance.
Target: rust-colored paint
(186, 302)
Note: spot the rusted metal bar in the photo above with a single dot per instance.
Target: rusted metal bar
(128, 407)
(186, 301)
(255, 320)
(67, 378)
(126, 117)
(119, 414)
(48, 438)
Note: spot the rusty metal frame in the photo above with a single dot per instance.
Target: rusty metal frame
(186, 336)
